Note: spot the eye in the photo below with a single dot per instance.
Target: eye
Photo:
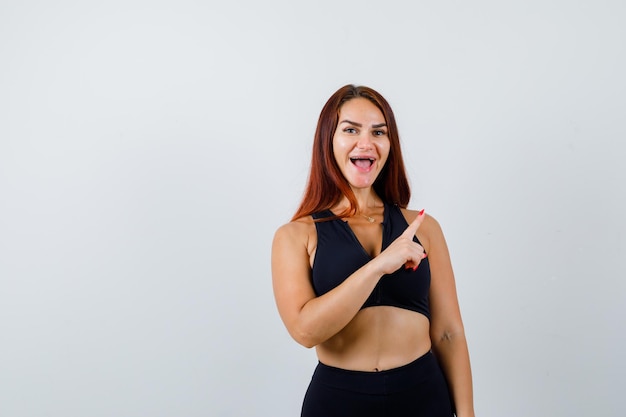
(379, 133)
(349, 130)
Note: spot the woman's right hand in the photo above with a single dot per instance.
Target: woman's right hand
(404, 251)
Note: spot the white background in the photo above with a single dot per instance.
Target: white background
(149, 150)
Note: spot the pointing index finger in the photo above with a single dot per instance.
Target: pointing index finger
(410, 231)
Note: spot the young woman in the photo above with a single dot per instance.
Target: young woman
(368, 282)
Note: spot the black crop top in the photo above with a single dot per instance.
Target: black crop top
(339, 253)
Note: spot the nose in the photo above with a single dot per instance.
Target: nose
(364, 142)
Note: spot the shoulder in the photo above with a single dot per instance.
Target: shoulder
(294, 242)
(429, 231)
(297, 231)
(429, 224)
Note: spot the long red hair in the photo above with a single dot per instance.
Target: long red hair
(326, 185)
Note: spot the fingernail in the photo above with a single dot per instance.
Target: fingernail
(425, 255)
(421, 212)
(415, 268)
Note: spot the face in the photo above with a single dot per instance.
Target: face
(361, 142)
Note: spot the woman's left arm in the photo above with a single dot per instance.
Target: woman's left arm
(446, 329)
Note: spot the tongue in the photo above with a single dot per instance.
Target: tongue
(362, 163)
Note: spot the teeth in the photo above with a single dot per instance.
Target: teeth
(355, 159)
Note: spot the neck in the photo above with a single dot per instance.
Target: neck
(367, 201)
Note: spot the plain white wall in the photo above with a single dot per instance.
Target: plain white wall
(148, 151)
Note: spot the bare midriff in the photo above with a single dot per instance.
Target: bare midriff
(378, 338)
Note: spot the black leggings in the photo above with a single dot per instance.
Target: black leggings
(413, 390)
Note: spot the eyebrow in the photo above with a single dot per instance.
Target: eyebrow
(360, 125)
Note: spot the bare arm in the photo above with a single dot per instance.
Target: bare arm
(447, 332)
(312, 320)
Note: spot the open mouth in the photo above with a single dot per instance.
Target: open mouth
(362, 163)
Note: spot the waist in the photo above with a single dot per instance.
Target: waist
(407, 376)
(378, 338)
